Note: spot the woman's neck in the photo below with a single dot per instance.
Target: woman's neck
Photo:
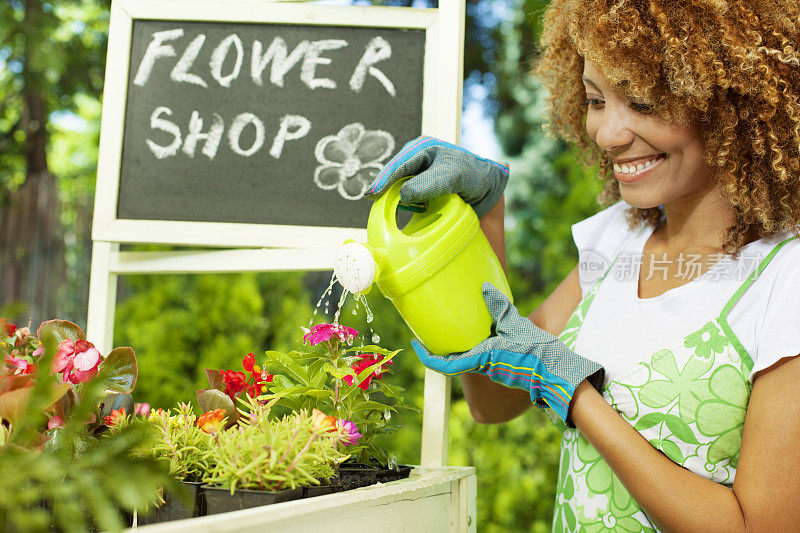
(696, 222)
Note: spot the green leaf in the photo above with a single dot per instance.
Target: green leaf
(210, 399)
(681, 429)
(61, 330)
(370, 406)
(672, 451)
(319, 394)
(115, 401)
(118, 372)
(338, 373)
(373, 348)
(648, 421)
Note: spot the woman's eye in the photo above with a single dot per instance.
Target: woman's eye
(593, 103)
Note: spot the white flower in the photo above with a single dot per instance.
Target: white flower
(351, 159)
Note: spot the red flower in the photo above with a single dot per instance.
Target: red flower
(116, 417)
(249, 362)
(235, 382)
(367, 360)
(8, 328)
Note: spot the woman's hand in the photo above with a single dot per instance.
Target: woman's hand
(440, 168)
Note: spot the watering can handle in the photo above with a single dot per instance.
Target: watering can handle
(391, 201)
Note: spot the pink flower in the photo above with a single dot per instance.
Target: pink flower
(55, 422)
(325, 332)
(78, 360)
(38, 351)
(23, 367)
(141, 409)
(367, 360)
(347, 432)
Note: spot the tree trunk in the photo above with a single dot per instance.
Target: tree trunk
(31, 245)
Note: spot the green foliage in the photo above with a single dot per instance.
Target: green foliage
(264, 453)
(178, 441)
(183, 324)
(82, 482)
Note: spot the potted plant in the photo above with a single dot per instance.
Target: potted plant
(333, 376)
(179, 441)
(263, 460)
(61, 466)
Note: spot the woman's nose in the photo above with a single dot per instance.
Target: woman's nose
(614, 129)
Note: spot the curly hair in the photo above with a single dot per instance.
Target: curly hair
(731, 65)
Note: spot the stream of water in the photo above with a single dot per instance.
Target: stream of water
(360, 301)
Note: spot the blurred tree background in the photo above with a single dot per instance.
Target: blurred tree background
(52, 58)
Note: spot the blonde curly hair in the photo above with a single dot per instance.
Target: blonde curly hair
(731, 65)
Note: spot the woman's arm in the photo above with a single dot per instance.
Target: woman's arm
(490, 402)
(765, 491)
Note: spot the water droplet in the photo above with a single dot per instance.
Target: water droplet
(387, 414)
(376, 338)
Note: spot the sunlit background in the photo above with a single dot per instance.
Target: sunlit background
(52, 60)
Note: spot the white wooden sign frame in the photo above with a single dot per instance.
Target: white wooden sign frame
(272, 247)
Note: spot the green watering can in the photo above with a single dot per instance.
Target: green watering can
(432, 269)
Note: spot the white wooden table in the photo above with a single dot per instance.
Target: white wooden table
(430, 500)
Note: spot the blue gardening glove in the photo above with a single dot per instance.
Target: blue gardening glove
(522, 356)
(440, 168)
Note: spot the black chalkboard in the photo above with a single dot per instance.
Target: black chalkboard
(264, 123)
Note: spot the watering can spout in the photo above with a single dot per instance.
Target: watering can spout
(357, 266)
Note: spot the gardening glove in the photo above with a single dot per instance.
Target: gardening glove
(440, 168)
(522, 356)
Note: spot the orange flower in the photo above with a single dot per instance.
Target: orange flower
(116, 417)
(211, 421)
(322, 422)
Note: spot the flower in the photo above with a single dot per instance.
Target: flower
(7, 328)
(707, 341)
(22, 366)
(55, 422)
(141, 409)
(723, 416)
(235, 382)
(116, 417)
(78, 360)
(260, 378)
(351, 159)
(325, 332)
(347, 432)
(322, 422)
(367, 360)
(211, 421)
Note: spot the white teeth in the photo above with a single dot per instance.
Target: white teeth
(625, 168)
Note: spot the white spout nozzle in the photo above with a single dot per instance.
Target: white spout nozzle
(355, 267)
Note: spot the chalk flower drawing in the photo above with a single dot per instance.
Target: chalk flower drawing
(351, 159)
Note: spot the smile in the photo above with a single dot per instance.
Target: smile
(628, 172)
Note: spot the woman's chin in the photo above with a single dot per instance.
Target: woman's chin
(641, 201)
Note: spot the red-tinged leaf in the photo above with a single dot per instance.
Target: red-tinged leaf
(61, 330)
(119, 371)
(210, 399)
(66, 403)
(215, 380)
(9, 382)
(13, 403)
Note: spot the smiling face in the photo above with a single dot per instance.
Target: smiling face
(655, 163)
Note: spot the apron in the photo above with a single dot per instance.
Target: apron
(687, 399)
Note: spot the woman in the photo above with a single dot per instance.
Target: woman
(674, 373)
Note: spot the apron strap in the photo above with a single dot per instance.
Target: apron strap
(723, 316)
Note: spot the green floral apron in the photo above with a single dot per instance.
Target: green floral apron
(688, 400)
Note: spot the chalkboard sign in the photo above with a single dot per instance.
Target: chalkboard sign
(264, 123)
(237, 114)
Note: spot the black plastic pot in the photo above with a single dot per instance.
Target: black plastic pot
(355, 475)
(393, 474)
(175, 508)
(220, 500)
(322, 490)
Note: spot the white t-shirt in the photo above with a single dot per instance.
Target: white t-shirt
(620, 329)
